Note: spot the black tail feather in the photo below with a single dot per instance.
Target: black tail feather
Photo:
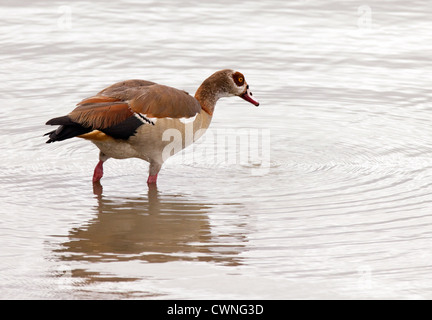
(68, 129)
(65, 120)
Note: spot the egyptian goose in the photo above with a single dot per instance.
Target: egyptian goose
(131, 119)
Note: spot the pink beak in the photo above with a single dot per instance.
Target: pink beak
(248, 97)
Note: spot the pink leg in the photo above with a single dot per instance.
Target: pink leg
(153, 172)
(152, 179)
(98, 172)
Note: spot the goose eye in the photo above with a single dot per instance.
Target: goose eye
(239, 79)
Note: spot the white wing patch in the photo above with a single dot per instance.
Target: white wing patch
(144, 119)
(188, 120)
(147, 120)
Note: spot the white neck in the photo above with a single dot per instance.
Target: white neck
(201, 124)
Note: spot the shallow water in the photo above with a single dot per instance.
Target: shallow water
(333, 202)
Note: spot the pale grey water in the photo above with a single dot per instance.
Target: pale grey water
(343, 211)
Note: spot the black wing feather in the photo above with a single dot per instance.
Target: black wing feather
(69, 129)
(124, 130)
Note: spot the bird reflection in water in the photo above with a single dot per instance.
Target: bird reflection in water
(155, 228)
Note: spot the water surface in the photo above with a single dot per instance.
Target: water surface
(340, 209)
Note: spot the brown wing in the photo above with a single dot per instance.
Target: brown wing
(160, 101)
(118, 102)
(125, 90)
(100, 112)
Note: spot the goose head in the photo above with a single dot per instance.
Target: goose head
(240, 88)
(224, 83)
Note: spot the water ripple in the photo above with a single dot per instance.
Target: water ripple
(341, 209)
